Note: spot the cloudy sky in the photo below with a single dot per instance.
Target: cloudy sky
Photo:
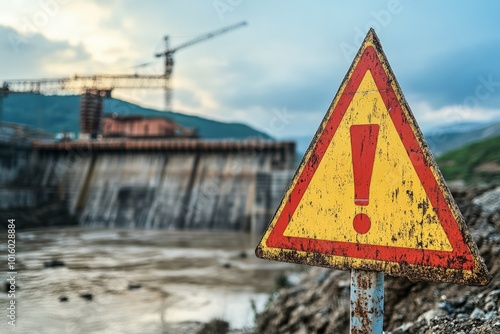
(281, 71)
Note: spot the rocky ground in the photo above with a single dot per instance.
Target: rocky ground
(320, 302)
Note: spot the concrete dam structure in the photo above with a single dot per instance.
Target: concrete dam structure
(166, 184)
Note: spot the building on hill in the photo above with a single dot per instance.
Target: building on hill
(135, 126)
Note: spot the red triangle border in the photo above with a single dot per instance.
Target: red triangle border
(459, 258)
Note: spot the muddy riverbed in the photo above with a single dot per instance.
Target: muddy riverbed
(132, 281)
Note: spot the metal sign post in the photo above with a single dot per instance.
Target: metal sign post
(367, 302)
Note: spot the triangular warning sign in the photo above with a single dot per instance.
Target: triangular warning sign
(368, 194)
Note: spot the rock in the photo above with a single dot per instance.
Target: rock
(430, 315)
(134, 286)
(87, 296)
(446, 306)
(477, 314)
(63, 299)
(324, 276)
(53, 264)
(488, 201)
(226, 265)
(490, 306)
(344, 284)
(301, 330)
(491, 315)
(215, 326)
(281, 281)
(458, 302)
(243, 255)
(493, 295)
(468, 307)
(404, 327)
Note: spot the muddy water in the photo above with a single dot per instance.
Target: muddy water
(140, 281)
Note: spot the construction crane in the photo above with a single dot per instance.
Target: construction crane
(95, 87)
(169, 56)
(78, 83)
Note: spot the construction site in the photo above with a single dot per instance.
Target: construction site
(139, 171)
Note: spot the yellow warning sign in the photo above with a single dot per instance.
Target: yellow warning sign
(368, 193)
(402, 208)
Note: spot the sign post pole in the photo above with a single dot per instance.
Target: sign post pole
(367, 302)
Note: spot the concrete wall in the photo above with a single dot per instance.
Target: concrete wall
(207, 189)
(15, 186)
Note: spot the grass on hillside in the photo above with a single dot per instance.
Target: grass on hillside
(60, 113)
(473, 163)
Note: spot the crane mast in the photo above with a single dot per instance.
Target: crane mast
(169, 55)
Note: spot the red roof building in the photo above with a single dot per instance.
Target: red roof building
(143, 127)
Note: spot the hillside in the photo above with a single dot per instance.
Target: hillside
(445, 138)
(476, 162)
(56, 113)
(319, 301)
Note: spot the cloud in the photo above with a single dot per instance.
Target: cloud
(430, 117)
(469, 77)
(36, 56)
(306, 96)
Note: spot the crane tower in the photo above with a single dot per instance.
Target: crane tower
(169, 56)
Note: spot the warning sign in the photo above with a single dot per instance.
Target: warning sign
(368, 194)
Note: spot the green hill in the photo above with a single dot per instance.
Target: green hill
(476, 162)
(56, 113)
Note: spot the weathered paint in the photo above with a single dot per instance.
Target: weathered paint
(367, 302)
(408, 224)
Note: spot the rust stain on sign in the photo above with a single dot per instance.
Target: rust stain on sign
(368, 194)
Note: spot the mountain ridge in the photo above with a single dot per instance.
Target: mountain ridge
(60, 113)
(440, 139)
(473, 163)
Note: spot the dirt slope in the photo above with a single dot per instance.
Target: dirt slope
(320, 302)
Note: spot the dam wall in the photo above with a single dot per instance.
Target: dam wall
(166, 184)
(16, 189)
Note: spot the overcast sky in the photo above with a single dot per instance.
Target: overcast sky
(280, 72)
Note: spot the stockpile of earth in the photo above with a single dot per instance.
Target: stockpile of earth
(319, 303)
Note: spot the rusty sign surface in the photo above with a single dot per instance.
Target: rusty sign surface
(368, 194)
